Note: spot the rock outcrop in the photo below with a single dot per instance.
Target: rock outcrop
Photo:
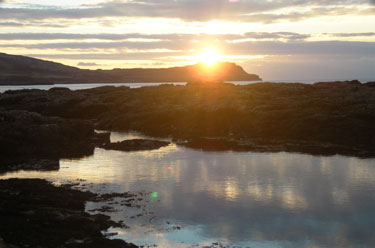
(31, 141)
(135, 145)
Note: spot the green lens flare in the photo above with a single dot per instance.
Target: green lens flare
(154, 195)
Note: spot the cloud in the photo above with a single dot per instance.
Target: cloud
(277, 35)
(267, 47)
(171, 36)
(370, 34)
(108, 56)
(87, 64)
(290, 48)
(11, 24)
(149, 50)
(191, 10)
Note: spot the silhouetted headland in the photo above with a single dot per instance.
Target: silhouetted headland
(21, 70)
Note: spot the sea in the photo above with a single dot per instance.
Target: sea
(78, 86)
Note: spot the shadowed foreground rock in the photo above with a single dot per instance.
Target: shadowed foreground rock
(29, 140)
(34, 213)
(33, 135)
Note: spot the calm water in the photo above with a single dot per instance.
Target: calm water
(138, 85)
(90, 86)
(197, 198)
(81, 86)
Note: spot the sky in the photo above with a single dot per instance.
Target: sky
(276, 39)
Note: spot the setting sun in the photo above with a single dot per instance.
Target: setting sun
(209, 57)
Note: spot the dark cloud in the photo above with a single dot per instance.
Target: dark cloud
(173, 36)
(59, 36)
(11, 24)
(112, 45)
(277, 35)
(109, 56)
(370, 34)
(87, 64)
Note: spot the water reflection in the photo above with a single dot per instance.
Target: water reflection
(245, 199)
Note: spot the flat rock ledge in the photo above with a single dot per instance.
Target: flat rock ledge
(135, 145)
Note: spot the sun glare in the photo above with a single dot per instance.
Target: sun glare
(209, 57)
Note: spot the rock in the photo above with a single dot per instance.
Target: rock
(102, 138)
(15, 164)
(31, 135)
(211, 144)
(135, 145)
(338, 83)
(34, 213)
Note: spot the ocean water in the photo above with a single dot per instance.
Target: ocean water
(81, 86)
(193, 198)
(138, 85)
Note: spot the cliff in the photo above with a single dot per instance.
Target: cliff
(21, 70)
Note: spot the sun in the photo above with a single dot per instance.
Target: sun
(209, 56)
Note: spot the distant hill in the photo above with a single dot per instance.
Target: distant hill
(21, 70)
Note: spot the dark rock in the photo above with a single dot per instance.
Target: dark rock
(34, 213)
(242, 145)
(29, 134)
(370, 84)
(59, 89)
(211, 144)
(135, 145)
(14, 164)
(338, 83)
(102, 138)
